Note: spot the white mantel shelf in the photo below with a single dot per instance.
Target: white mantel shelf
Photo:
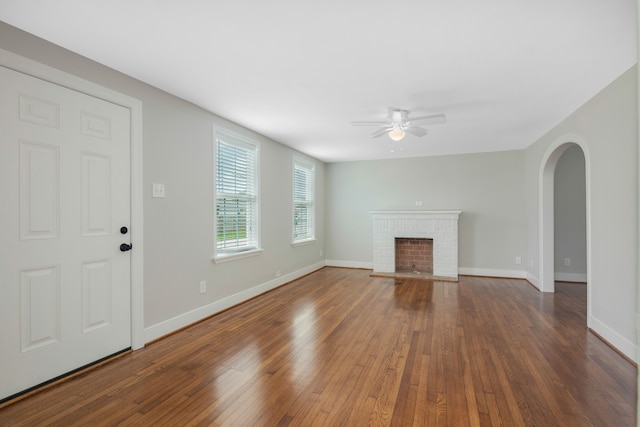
(446, 214)
(440, 225)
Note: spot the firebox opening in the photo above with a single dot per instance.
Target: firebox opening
(414, 255)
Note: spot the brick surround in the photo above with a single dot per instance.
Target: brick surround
(441, 226)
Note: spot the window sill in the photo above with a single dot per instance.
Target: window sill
(304, 242)
(218, 259)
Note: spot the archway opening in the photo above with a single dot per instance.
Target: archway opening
(570, 222)
(547, 248)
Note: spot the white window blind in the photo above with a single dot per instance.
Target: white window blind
(303, 195)
(236, 194)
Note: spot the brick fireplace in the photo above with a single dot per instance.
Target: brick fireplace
(440, 226)
(414, 255)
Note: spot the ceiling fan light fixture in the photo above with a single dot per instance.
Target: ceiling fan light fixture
(396, 134)
(399, 124)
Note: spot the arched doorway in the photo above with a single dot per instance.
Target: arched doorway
(546, 213)
(570, 228)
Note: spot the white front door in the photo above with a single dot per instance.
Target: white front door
(64, 198)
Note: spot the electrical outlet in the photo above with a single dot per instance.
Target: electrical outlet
(419, 203)
(203, 286)
(278, 273)
(567, 261)
(518, 260)
(158, 190)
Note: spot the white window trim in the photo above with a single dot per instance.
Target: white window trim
(304, 242)
(301, 161)
(226, 257)
(231, 256)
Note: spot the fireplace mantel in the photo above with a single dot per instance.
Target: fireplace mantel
(421, 214)
(440, 225)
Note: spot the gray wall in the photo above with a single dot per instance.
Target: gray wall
(570, 216)
(605, 127)
(178, 230)
(487, 187)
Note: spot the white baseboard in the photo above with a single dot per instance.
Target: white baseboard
(349, 264)
(166, 327)
(570, 277)
(622, 344)
(533, 280)
(490, 272)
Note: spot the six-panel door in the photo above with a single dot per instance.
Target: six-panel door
(64, 196)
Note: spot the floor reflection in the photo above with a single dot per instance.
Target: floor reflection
(303, 341)
(242, 382)
(413, 294)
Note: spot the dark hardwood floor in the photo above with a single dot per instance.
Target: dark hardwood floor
(341, 348)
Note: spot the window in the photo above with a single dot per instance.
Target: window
(236, 200)
(303, 195)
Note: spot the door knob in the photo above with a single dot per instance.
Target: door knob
(124, 247)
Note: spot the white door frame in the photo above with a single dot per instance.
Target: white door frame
(52, 75)
(546, 213)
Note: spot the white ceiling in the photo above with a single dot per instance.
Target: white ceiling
(503, 71)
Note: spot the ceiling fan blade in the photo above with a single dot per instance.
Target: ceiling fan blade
(380, 132)
(416, 131)
(432, 119)
(370, 123)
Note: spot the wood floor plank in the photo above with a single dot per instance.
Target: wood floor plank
(339, 347)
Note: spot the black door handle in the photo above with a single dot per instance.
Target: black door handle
(124, 247)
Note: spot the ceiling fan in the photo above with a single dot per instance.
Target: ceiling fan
(399, 124)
